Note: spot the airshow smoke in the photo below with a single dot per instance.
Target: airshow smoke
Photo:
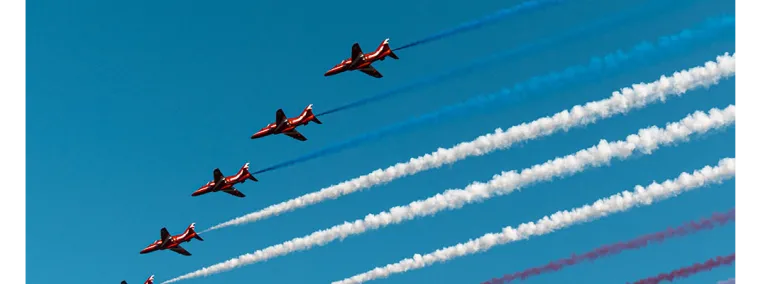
(690, 270)
(622, 101)
(645, 141)
(505, 55)
(619, 202)
(500, 15)
(638, 56)
(717, 219)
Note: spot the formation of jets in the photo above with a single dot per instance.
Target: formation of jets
(282, 125)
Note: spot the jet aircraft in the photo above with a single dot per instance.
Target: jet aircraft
(362, 61)
(173, 243)
(226, 184)
(149, 280)
(287, 126)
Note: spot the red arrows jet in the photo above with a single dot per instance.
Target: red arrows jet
(149, 280)
(226, 184)
(173, 243)
(362, 61)
(287, 126)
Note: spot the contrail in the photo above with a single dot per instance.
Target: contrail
(717, 219)
(619, 202)
(521, 50)
(729, 281)
(500, 15)
(627, 99)
(690, 270)
(645, 141)
(572, 75)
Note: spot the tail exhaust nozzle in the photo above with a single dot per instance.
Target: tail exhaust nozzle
(387, 48)
(314, 118)
(193, 233)
(248, 173)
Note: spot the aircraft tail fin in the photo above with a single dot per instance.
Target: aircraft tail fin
(386, 48)
(314, 119)
(191, 232)
(248, 173)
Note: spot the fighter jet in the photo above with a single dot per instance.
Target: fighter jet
(287, 126)
(173, 243)
(226, 184)
(362, 61)
(149, 280)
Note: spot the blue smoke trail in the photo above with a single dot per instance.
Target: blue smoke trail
(523, 7)
(498, 57)
(638, 55)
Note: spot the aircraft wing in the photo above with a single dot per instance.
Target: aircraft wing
(234, 192)
(371, 71)
(279, 117)
(180, 250)
(295, 135)
(357, 52)
(217, 175)
(164, 235)
(218, 179)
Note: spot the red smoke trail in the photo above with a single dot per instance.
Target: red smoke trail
(690, 270)
(688, 228)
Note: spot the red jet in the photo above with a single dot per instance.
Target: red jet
(149, 280)
(362, 61)
(226, 184)
(287, 126)
(173, 243)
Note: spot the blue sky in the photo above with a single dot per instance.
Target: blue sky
(132, 105)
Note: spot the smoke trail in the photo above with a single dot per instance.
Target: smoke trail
(645, 141)
(616, 203)
(637, 96)
(640, 242)
(575, 74)
(524, 49)
(500, 15)
(729, 281)
(690, 270)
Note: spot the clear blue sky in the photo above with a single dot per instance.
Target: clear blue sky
(131, 105)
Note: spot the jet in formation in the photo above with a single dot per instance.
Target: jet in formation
(226, 184)
(362, 61)
(149, 280)
(287, 126)
(173, 243)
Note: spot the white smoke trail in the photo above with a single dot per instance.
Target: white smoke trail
(646, 141)
(638, 96)
(619, 202)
